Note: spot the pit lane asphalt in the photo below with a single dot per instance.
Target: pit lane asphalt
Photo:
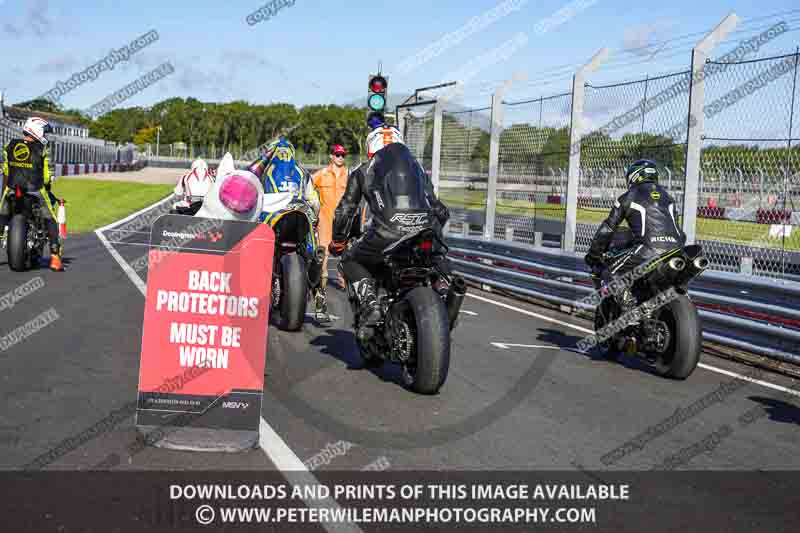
(514, 408)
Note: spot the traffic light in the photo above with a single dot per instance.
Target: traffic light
(376, 100)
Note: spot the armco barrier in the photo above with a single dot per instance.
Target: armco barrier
(757, 315)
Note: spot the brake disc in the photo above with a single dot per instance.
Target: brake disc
(657, 335)
(402, 341)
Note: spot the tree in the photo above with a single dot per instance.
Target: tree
(146, 135)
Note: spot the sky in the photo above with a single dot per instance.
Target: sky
(319, 52)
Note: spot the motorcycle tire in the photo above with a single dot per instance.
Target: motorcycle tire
(683, 353)
(608, 348)
(431, 330)
(18, 257)
(294, 292)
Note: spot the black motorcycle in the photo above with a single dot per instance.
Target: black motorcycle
(419, 304)
(665, 329)
(27, 231)
(297, 266)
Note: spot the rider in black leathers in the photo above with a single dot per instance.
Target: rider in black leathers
(650, 213)
(400, 199)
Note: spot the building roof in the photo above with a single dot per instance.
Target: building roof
(22, 113)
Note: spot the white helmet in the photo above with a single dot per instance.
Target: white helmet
(200, 168)
(382, 136)
(36, 127)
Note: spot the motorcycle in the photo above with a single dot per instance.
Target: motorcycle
(419, 304)
(26, 232)
(194, 194)
(189, 206)
(670, 336)
(297, 267)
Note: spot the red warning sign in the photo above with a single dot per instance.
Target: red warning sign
(205, 323)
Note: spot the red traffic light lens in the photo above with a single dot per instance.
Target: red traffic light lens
(377, 85)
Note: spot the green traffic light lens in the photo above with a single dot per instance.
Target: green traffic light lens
(376, 102)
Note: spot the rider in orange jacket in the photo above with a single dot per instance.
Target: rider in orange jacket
(331, 182)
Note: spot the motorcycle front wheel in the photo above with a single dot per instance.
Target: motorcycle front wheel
(431, 350)
(18, 257)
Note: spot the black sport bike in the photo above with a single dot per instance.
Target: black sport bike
(419, 303)
(27, 231)
(669, 336)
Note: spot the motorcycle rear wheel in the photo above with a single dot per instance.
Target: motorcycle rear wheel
(294, 293)
(430, 326)
(683, 353)
(18, 256)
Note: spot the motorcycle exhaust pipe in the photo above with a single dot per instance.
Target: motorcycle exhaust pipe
(700, 263)
(455, 297)
(677, 264)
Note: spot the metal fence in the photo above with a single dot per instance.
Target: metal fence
(750, 193)
(70, 150)
(745, 191)
(532, 178)
(648, 133)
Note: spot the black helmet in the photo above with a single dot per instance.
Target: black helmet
(641, 171)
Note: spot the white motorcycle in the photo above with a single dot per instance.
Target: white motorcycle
(192, 189)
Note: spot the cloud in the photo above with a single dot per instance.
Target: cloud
(644, 40)
(58, 65)
(37, 20)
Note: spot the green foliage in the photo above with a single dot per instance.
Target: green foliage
(312, 129)
(46, 106)
(146, 135)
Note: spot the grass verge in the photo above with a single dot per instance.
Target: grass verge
(92, 204)
(731, 231)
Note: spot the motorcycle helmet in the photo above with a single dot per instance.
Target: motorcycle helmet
(37, 127)
(382, 136)
(200, 169)
(641, 171)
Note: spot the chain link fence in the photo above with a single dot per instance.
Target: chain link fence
(748, 185)
(532, 176)
(749, 198)
(418, 134)
(651, 131)
(464, 170)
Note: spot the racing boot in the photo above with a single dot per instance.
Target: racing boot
(321, 304)
(55, 259)
(627, 303)
(369, 309)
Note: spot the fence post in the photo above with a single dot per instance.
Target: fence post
(436, 164)
(496, 128)
(576, 131)
(696, 123)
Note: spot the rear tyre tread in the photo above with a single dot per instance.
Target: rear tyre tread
(686, 343)
(293, 293)
(432, 330)
(18, 259)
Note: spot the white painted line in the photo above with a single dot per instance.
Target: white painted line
(134, 277)
(470, 313)
(273, 445)
(504, 346)
(751, 380)
(296, 473)
(529, 313)
(722, 371)
(136, 214)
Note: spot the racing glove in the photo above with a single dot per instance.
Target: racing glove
(336, 248)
